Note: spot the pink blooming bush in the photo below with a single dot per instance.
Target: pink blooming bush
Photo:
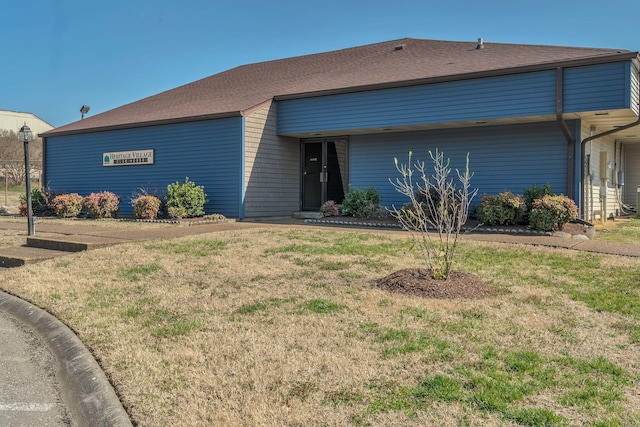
(552, 212)
(146, 207)
(102, 205)
(330, 208)
(67, 205)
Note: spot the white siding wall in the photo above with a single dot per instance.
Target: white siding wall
(592, 191)
(272, 167)
(631, 173)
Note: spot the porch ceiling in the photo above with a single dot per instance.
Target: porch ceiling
(610, 119)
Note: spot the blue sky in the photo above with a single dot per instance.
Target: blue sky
(59, 54)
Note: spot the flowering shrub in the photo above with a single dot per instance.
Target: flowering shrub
(102, 205)
(185, 199)
(550, 213)
(504, 209)
(533, 193)
(67, 205)
(330, 208)
(146, 207)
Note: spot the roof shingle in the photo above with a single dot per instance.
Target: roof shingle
(238, 89)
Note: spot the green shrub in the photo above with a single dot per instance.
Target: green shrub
(358, 201)
(532, 194)
(552, 212)
(330, 208)
(67, 205)
(146, 207)
(504, 209)
(185, 199)
(102, 205)
(40, 203)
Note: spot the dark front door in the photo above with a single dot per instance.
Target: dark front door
(324, 172)
(312, 175)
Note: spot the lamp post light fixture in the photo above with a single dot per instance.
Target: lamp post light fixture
(26, 136)
(84, 110)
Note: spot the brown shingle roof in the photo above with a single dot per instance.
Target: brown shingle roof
(376, 65)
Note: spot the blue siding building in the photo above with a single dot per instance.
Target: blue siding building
(272, 138)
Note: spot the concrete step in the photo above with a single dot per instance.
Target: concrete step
(22, 255)
(307, 215)
(75, 243)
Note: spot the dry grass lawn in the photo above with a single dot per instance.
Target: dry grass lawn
(282, 327)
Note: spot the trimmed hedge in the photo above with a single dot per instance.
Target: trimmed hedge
(146, 207)
(102, 205)
(67, 205)
(550, 213)
(503, 209)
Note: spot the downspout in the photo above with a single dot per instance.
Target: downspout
(567, 133)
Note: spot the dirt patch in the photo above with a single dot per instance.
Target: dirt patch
(418, 282)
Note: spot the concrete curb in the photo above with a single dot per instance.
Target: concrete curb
(85, 389)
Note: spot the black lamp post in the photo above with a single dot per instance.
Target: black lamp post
(26, 137)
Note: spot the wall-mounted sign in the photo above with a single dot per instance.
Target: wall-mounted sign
(128, 158)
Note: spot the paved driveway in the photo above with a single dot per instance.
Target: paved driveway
(29, 393)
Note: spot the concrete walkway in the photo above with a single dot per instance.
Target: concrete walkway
(87, 396)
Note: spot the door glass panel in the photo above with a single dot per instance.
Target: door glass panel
(336, 163)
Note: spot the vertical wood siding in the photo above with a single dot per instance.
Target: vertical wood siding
(272, 167)
(480, 99)
(632, 173)
(207, 152)
(597, 87)
(501, 157)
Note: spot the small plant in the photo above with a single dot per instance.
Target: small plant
(437, 204)
(67, 205)
(533, 193)
(504, 209)
(102, 205)
(552, 212)
(40, 203)
(160, 194)
(146, 207)
(215, 217)
(374, 211)
(330, 208)
(359, 200)
(185, 199)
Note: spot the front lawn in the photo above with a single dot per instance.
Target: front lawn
(622, 230)
(280, 326)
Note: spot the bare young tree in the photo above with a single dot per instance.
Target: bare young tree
(437, 209)
(12, 156)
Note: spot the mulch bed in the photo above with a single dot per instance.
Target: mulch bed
(418, 282)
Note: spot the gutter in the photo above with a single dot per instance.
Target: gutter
(567, 133)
